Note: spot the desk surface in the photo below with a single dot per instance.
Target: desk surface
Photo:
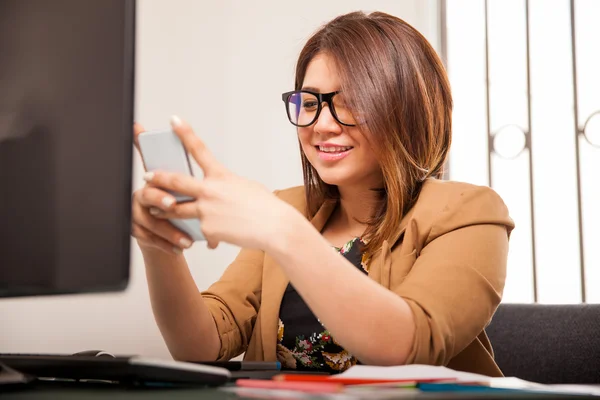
(58, 391)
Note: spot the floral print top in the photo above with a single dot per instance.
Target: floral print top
(303, 343)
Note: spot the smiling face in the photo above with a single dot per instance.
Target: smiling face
(395, 79)
(340, 154)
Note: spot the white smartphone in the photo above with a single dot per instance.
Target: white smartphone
(162, 150)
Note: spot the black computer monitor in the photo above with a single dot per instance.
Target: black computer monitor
(66, 114)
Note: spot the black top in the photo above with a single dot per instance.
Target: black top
(303, 343)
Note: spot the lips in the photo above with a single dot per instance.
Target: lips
(333, 153)
(333, 149)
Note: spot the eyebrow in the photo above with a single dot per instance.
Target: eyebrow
(314, 89)
(310, 89)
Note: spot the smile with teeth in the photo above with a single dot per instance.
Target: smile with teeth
(334, 149)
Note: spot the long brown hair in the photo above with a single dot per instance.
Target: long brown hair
(392, 75)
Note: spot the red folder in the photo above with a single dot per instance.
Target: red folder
(352, 381)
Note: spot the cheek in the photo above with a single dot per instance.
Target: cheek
(369, 159)
(368, 156)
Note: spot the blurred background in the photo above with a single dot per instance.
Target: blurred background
(526, 84)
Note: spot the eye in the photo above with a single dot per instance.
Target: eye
(310, 104)
(339, 102)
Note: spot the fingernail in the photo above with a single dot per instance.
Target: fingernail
(148, 176)
(175, 121)
(185, 242)
(168, 201)
(177, 250)
(154, 211)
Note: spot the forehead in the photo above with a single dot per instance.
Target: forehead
(322, 74)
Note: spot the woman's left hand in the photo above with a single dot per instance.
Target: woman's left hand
(230, 208)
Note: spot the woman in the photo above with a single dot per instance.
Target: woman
(419, 264)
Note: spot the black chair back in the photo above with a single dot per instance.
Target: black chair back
(548, 343)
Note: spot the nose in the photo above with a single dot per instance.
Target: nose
(326, 123)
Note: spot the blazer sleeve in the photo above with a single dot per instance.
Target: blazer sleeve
(457, 280)
(234, 301)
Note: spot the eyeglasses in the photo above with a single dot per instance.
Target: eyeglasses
(304, 107)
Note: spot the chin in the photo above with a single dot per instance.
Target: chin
(349, 179)
(331, 178)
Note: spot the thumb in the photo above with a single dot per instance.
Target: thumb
(211, 244)
(196, 147)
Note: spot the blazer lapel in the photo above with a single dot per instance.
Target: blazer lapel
(274, 284)
(275, 281)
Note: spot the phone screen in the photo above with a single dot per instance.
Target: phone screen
(163, 150)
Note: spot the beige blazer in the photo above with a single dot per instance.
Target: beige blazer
(449, 265)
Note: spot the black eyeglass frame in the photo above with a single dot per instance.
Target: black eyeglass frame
(322, 97)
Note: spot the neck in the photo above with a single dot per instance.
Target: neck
(356, 208)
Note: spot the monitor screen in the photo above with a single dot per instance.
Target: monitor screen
(66, 114)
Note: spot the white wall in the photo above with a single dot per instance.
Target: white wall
(200, 60)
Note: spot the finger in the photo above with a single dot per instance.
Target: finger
(183, 184)
(137, 130)
(196, 147)
(166, 231)
(160, 227)
(145, 236)
(185, 210)
(155, 198)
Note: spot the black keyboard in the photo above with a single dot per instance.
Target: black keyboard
(120, 369)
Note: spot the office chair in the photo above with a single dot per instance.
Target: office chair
(548, 343)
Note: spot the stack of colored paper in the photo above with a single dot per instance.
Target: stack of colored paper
(383, 382)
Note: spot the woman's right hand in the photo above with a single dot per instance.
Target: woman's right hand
(152, 232)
